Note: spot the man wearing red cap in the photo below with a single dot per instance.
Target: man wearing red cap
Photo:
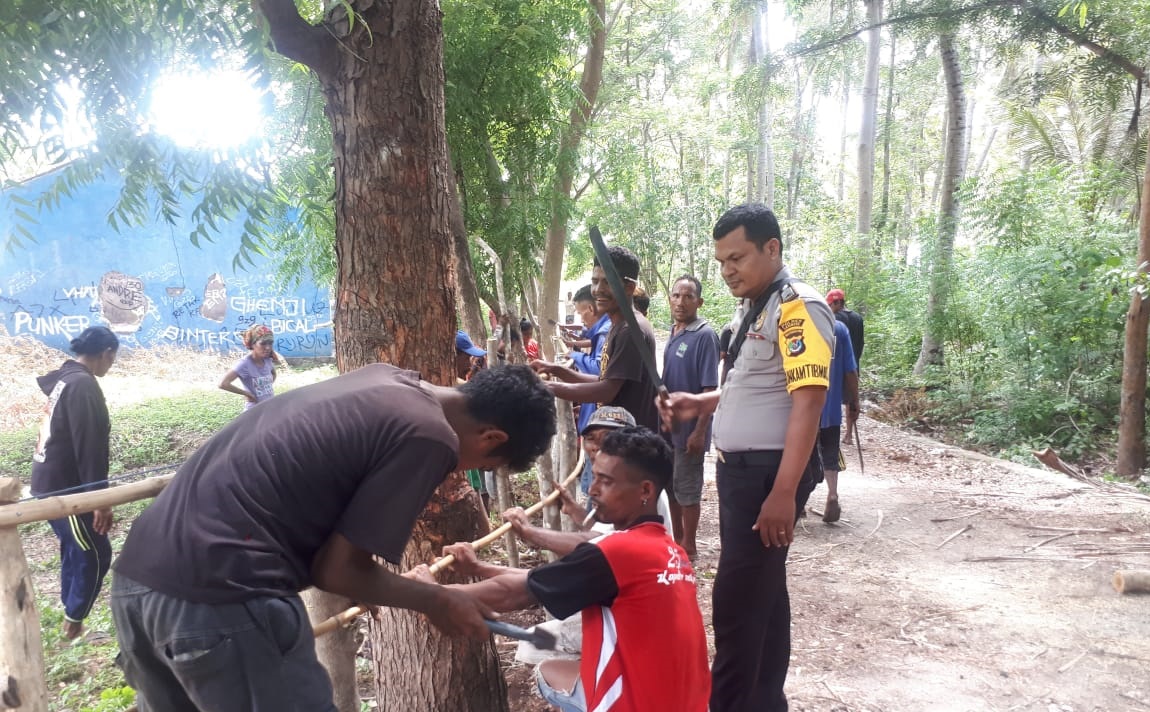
(837, 299)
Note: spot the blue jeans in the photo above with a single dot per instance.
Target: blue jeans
(572, 701)
(254, 656)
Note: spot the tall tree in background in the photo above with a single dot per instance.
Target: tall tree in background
(563, 184)
(954, 166)
(866, 157)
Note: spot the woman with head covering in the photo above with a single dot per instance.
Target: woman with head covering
(72, 452)
(256, 371)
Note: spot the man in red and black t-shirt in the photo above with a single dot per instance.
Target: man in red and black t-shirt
(644, 647)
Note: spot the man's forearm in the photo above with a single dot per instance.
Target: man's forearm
(594, 391)
(507, 592)
(570, 375)
(702, 424)
(802, 430)
(851, 383)
(562, 543)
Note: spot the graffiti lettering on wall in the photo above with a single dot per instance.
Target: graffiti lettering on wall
(146, 313)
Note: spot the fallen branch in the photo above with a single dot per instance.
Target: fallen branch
(821, 554)
(1051, 459)
(1047, 540)
(960, 516)
(1075, 530)
(955, 535)
(1071, 664)
(876, 526)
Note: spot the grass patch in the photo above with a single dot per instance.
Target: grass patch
(80, 676)
(154, 432)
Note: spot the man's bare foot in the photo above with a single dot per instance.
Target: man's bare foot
(73, 629)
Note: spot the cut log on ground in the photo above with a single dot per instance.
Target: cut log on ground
(1132, 581)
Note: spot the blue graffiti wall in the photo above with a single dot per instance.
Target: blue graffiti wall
(149, 284)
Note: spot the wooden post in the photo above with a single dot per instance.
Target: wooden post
(21, 652)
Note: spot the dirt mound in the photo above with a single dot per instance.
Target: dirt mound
(137, 375)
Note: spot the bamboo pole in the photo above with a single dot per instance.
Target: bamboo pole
(345, 618)
(66, 505)
(21, 651)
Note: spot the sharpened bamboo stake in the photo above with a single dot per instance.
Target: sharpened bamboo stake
(345, 618)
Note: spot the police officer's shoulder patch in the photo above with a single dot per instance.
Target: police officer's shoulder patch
(788, 293)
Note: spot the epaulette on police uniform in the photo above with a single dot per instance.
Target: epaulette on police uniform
(787, 293)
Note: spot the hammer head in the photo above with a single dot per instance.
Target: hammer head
(539, 638)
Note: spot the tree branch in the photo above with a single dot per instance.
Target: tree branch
(903, 19)
(295, 38)
(1051, 23)
(1086, 43)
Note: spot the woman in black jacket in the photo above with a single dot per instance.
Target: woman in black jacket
(71, 452)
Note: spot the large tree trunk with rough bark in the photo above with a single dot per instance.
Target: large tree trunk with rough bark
(1132, 411)
(954, 166)
(382, 79)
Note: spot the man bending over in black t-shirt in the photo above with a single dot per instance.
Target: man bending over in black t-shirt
(305, 493)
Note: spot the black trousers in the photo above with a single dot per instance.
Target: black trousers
(255, 656)
(751, 609)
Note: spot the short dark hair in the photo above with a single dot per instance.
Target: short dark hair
(693, 280)
(94, 341)
(641, 300)
(643, 449)
(584, 294)
(756, 219)
(626, 263)
(526, 325)
(513, 399)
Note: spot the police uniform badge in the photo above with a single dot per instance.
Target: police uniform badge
(761, 320)
(796, 344)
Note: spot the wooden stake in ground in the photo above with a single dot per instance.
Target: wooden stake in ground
(21, 651)
(1132, 581)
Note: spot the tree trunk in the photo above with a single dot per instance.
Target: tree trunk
(568, 159)
(765, 175)
(22, 685)
(954, 166)
(415, 667)
(888, 121)
(467, 299)
(382, 79)
(1132, 411)
(867, 128)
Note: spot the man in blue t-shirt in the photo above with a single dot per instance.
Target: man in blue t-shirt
(592, 337)
(844, 388)
(690, 365)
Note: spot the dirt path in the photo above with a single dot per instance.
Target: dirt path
(886, 620)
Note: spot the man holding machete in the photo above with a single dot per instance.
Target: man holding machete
(765, 428)
(624, 379)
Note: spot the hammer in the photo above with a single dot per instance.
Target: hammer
(539, 638)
